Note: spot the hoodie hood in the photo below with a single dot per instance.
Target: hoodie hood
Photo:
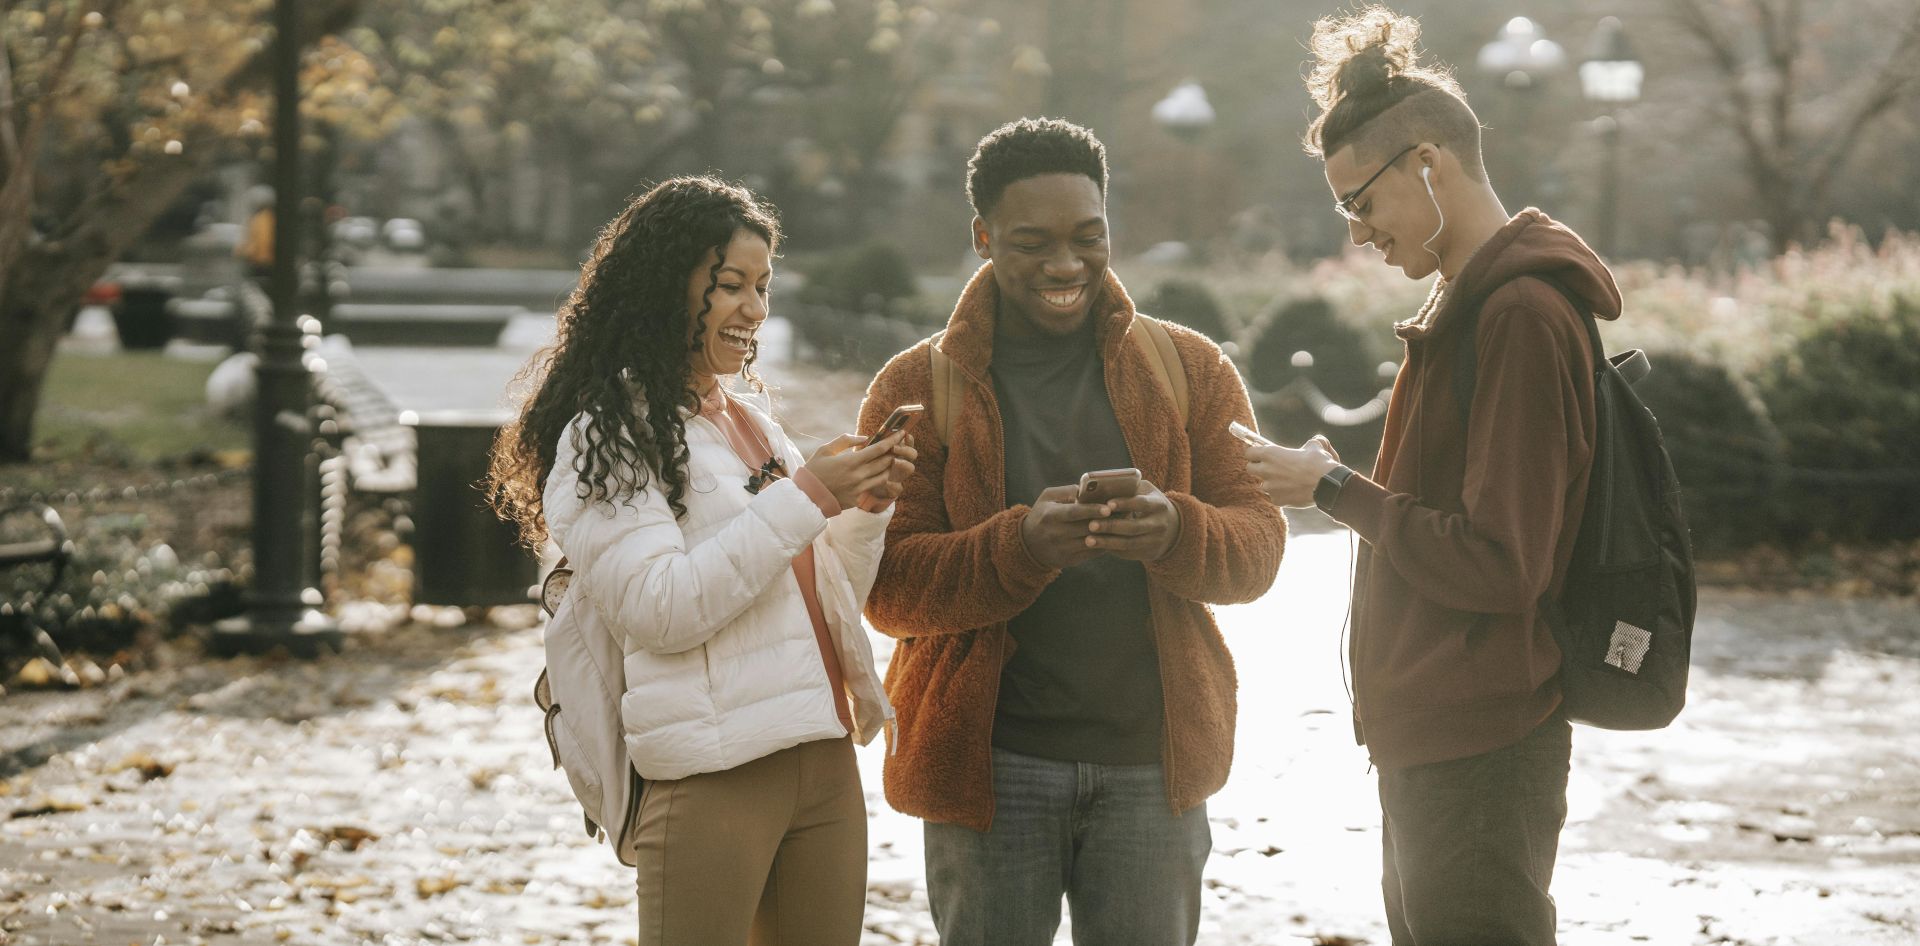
(1531, 244)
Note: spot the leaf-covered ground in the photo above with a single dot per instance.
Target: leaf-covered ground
(401, 793)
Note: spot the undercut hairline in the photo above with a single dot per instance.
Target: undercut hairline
(1402, 124)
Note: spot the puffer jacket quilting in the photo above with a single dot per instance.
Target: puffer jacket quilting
(720, 662)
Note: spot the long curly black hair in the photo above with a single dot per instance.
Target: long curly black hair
(623, 335)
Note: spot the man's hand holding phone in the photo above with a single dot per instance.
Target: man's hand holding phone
(1055, 529)
(1141, 523)
(1289, 474)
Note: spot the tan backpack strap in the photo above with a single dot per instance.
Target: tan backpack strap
(948, 389)
(1157, 344)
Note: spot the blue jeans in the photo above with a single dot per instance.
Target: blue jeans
(1104, 836)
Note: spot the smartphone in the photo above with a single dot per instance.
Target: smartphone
(901, 419)
(1103, 485)
(1247, 435)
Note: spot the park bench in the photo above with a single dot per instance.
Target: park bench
(208, 321)
(537, 290)
(421, 324)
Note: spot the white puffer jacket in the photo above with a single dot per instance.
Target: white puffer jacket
(721, 663)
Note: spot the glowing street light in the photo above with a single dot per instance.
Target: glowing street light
(1610, 76)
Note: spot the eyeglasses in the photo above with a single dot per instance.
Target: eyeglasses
(1344, 206)
(770, 471)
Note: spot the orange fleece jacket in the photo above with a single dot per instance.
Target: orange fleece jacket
(956, 569)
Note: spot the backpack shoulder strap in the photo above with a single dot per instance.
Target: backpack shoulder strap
(948, 388)
(1157, 344)
(1466, 346)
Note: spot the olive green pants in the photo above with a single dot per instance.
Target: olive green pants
(770, 853)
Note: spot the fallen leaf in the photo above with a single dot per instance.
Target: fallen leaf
(348, 837)
(48, 806)
(148, 767)
(435, 886)
(41, 674)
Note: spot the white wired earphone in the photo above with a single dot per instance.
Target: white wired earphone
(1426, 177)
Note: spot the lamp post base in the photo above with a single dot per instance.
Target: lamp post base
(305, 634)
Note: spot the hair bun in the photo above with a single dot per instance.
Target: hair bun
(1361, 54)
(1367, 73)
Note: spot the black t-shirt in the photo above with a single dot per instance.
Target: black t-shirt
(1084, 681)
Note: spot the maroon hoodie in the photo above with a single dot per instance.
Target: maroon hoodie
(1467, 530)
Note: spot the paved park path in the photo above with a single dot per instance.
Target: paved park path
(401, 792)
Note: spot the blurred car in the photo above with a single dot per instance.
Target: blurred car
(357, 232)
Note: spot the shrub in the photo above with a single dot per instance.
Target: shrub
(1343, 363)
(1846, 401)
(861, 306)
(1343, 367)
(1725, 451)
(1190, 303)
(870, 277)
(859, 341)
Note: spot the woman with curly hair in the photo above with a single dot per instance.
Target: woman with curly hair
(734, 588)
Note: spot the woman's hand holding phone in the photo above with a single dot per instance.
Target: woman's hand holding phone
(850, 467)
(880, 497)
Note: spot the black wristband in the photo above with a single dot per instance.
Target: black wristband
(1327, 491)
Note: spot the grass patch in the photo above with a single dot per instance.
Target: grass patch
(136, 407)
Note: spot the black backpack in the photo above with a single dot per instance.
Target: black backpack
(1624, 621)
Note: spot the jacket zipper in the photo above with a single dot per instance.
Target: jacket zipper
(1168, 763)
(1000, 502)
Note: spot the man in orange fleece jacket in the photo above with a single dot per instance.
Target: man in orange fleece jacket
(1065, 702)
(1470, 516)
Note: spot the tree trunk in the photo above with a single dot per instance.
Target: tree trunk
(51, 277)
(47, 280)
(23, 374)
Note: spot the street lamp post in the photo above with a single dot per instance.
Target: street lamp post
(1521, 59)
(1186, 114)
(1611, 77)
(282, 611)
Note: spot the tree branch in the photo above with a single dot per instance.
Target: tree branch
(9, 137)
(57, 76)
(16, 193)
(1890, 86)
(1781, 33)
(1695, 20)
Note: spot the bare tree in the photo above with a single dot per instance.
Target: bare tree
(1795, 142)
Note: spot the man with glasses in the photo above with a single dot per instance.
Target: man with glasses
(1470, 515)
